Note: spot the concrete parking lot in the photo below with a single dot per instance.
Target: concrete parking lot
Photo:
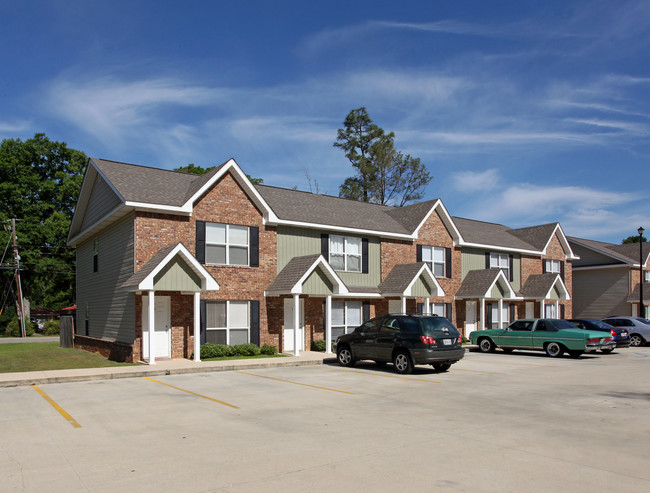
(494, 422)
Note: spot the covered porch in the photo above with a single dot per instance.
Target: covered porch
(547, 290)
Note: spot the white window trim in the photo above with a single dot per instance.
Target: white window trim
(550, 264)
(345, 253)
(228, 328)
(228, 244)
(429, 251)
(498, 257)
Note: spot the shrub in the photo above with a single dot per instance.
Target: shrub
(268, 349)
(214, 351)
(51, 328)
(13, 328)
(318, 346)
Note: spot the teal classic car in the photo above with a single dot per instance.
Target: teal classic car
(553, 336)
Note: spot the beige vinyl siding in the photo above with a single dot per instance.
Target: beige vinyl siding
(177, 276)
(102, 201)
(297, 242)
(589, 257)
(421, 288)
(600, 293)
(474, 259)
(112, 309)
(496, 292)
(317, 284)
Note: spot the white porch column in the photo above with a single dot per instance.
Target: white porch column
(152, 327)
(541, 309)
(483, 326)
(403, 304)
(557, 308)
(197, 327)
(328, 324)
(427, 306)
(296, 324)
(500, 313)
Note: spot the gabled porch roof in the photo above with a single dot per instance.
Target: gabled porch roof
(411, 280)
(482, 283)
(542, 287)
(294, 275)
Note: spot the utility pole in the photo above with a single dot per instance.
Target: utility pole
(19, 289)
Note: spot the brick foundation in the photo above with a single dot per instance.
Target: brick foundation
(112, 350)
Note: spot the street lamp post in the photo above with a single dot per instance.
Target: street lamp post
(641, 307)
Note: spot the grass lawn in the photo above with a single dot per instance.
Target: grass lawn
(25, 356)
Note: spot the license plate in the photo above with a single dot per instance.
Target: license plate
(623, 334)
(446, 342)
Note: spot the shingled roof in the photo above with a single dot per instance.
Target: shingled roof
(538, 286)
(402, 276)
(628, 253)
(477, 283)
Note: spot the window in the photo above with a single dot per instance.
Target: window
(553, 266)
(345, 253)
(646, 276)
(346, 316)
(500, 261)
(521, 325)
(227, 322)
(226, 244)
(439, 309)
(95, 255)
(505, 315)
(550, 311)
(435, 257)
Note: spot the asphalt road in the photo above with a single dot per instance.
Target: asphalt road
(494, 422)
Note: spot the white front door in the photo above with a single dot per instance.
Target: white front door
(288, 325)
(530, 309)
(470, 317)
(162, 325)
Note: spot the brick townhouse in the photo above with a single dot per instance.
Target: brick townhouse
(164, 255)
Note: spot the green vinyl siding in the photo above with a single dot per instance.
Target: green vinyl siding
(102, 201)
(111, 308)
(177, 276)
(496, 292)
(297, 242)
(317, 284)
(474, 259)
(421, 288)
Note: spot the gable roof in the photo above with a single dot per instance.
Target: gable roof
(402, 277)
(479, 283)
(628, 253)
(539, 286)
(291, 278)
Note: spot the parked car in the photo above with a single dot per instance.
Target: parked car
(404, 340)
(638, 328)
(544, 334)
(620, 335)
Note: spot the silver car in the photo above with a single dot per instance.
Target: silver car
(638, 328)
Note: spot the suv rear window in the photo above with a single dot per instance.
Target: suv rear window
(433, 325)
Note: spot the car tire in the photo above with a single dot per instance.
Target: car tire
(486, 345)
(576, 354)
(344, 356)
(636, 340)
(606, 351)
(554, 349)
(402, 362)
(441, 366)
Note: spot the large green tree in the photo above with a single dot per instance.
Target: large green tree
(633, 239)
(40, 181)
(383, 175)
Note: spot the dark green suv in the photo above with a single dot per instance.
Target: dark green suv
(404, 340)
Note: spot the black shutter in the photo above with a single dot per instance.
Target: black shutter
(487, 260)
(364, 255)
(200, 241)
(448, 262)
(543, 266)
(254, 233)
(325, 246)
(420, 308)
(562, 272)
(562, 307)
(255, 322)
(488, 315)
(419, 253)
(366, 311)
(448, 311)
(511, 267)
(512, 312)
(202, 322)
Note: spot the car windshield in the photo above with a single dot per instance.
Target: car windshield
(643, 320)
(433, 325)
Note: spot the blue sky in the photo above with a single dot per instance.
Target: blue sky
(525, 112)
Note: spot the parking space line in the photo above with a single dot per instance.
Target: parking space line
(193, 393)
(295, 383)
(479, 371)
(60, 410)
(386, 376)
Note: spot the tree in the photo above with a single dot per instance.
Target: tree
(198, 170)
(40, 181)
(384, 175)
(632, 239)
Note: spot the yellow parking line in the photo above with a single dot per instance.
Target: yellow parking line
(479, 371)
(295, 383)
(61, 411)
(387, 376)
(193, 393)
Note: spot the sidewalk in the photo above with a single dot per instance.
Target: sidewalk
(162, 367)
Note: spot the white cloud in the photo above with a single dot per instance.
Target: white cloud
(472, 181)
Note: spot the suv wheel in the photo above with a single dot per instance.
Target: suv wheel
(344, 355)
(402, 362)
